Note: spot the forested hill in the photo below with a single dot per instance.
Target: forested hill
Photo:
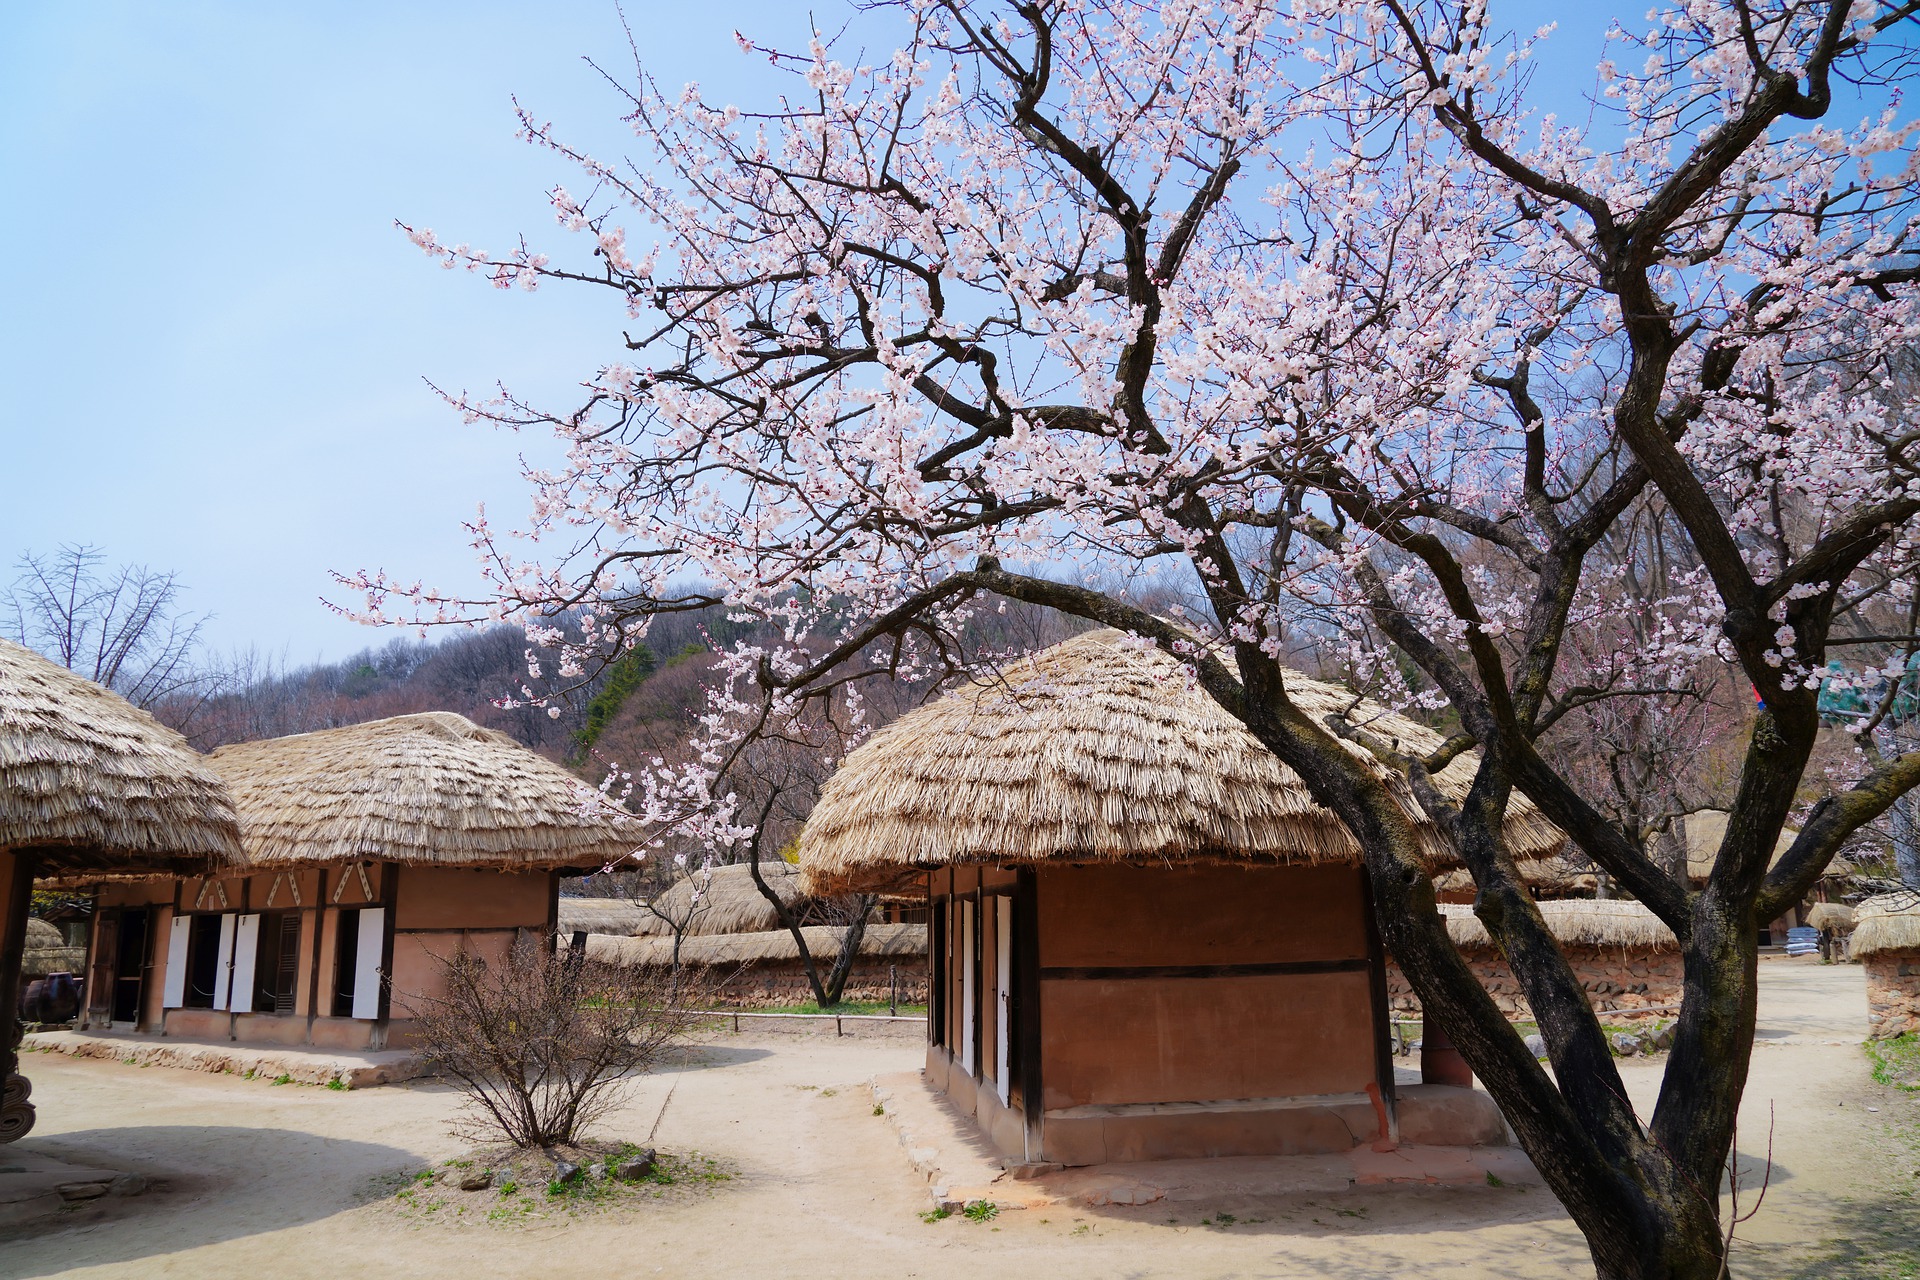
(472, 673)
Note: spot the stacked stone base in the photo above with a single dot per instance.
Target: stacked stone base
(763, 986)
(1623, 985)
(1893, 993)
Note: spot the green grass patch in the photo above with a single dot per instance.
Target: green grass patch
(1896, 1061)
(981, 1211)
(939, 1213)
(847, 1006)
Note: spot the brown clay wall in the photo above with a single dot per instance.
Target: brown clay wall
(1206, 1039)
(1893, 993)
(1101, 916)
(452, 898)
(1620, 983)
(418, 958)
(136, 893)
(1116, 1031)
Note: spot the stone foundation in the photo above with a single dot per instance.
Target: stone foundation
(1893, 993)
(1622, 984)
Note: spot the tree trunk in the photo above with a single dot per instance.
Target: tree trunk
(1906, 839)
(849, 950)
(791, 923)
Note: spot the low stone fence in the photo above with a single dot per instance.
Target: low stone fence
(1893, 992)
(1624, 984)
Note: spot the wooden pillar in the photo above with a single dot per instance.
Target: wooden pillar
(16, 894)
(390, 896)
(1026, 1007)
(1382, 1011)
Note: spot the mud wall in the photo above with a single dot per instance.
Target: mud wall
(1893, 993)
(1200, 983)
(1622, 983)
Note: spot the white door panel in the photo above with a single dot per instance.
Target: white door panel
(1003, 993)
(223, 971)
(246, 952)
(174, 991)
(366, 962)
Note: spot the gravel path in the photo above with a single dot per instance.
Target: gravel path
(276, 1181)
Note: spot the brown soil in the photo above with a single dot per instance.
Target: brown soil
(284, 1181)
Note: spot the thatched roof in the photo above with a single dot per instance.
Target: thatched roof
(1830, 915)
(433, 789)
(615, 916)
(1096, 750)
(770, 946)
(1890, 922)
(1704, 830)
(1576, 922)
(723, 900)
(95, 783)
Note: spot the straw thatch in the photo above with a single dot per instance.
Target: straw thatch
(774, 946)
(727, 901)
(47, 951)
(1890, 922)
(615, 916)
(92, 783)
(432, 789)
(1578, 923)
(1704, 830)
(1100, 749)
(1836, 916)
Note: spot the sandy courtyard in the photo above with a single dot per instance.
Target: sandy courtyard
(282, 1181)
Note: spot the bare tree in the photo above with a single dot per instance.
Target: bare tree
(121, 627)
(537, 1041)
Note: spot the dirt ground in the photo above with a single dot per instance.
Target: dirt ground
(293, 1181)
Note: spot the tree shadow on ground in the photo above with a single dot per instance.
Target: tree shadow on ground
(1866, 1238)
(704, 1057)
(208, 1183)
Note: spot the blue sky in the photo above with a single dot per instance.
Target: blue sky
(213, 339)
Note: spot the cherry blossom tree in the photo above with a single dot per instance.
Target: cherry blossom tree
(1316, 305)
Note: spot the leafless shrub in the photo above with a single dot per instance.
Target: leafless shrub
(537, 1041)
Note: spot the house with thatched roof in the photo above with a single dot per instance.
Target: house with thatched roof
(1886, 942)
(1146, 940)
(88, 785)
(1625, 957)
(1702, 833)
(369, 854)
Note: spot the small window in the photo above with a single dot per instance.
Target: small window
(203, 961)
(276, 970)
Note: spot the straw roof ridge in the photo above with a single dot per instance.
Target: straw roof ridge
(770, 946)
(431, 788)
(1830, 915)
(98, 783)
(1889, 922)
(728, 902)
(1580, 922)
(1102, 750)
(618, 917)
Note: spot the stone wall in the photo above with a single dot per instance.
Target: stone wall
(762, 986)
(1893, 992)
(1622, 983)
